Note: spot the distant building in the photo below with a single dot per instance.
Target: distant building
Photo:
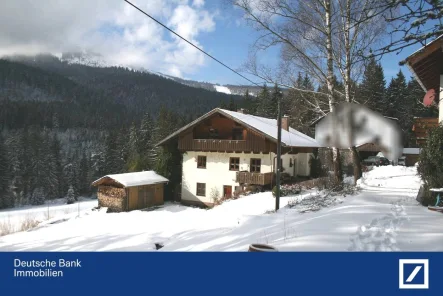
(130, 191)
(224, 151)
(365, 149)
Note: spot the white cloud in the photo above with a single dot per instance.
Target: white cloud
(198, 3)
(110, 27)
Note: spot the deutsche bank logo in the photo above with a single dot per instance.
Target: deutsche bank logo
(414, 273)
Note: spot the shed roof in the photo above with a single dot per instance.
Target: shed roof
(134, 179)
(265, 126)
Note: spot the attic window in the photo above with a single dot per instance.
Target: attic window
(237, 134)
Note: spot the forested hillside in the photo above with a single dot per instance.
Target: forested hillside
(65, 125)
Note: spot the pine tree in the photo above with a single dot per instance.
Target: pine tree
(395, 94)
(232, 105)
(38, 196)
(70, 172)
(6, 199)
(371, 91)
(249, 103)
(300, 112)
(133, 160)
(52, 178)
(145, 143)
(113, 160)
(168, 158)
(70, 197)
(264, 107)
(57, 159)
(276, 96)
(83, 176)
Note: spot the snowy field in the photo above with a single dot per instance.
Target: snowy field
(382, 216)
(13, 219)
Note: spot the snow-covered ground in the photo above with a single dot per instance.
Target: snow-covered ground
(13, 219)
(383, 215)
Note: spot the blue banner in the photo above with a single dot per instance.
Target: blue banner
(159, 273)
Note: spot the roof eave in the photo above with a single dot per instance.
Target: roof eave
(216, 110)
(415, 76)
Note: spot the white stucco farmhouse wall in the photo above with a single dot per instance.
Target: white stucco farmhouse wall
(217, 173)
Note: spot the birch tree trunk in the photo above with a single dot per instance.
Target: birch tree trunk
(331, 85)
(347, 84)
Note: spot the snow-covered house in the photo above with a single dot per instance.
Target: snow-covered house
(426, 64)
(130, 191)
(225, 150)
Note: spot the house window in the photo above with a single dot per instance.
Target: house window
(201, 189)
(255, 165)
(237, 134)
(234, 163)
(201, 162)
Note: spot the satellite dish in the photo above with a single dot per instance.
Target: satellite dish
(429, 97)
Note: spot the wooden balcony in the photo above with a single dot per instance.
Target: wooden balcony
(219, 145)
(254, 178)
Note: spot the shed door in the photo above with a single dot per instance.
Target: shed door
(145, 197)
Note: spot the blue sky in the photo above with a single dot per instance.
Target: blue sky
(230, 42)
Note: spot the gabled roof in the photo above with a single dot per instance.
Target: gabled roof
(264, 126)
(133, 179)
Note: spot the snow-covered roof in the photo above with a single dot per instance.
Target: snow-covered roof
(266, 126)
(134, 179)
(292, 138)
(411, 150)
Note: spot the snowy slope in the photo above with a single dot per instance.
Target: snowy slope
(92, 59)
(380, 218)
(222, 89)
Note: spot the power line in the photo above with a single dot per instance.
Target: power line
(189, 42)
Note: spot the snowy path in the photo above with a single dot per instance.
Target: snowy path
(382, 216)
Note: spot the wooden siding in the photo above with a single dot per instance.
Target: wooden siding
(421, 128)
(133, 198)
(251, 143)
(135, 202)
(254, 178)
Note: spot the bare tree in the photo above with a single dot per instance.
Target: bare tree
(304, 30)
(356, 33)
(411, 22)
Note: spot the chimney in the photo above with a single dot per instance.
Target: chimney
(285, 122)
(241, 110)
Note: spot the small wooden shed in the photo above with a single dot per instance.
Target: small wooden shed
(130, 191)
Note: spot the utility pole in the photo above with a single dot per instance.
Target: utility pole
(277, 191)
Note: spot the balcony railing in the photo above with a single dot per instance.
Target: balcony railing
(254, 178)
(219, 145)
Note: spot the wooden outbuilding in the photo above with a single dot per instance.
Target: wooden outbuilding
(130, 191)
